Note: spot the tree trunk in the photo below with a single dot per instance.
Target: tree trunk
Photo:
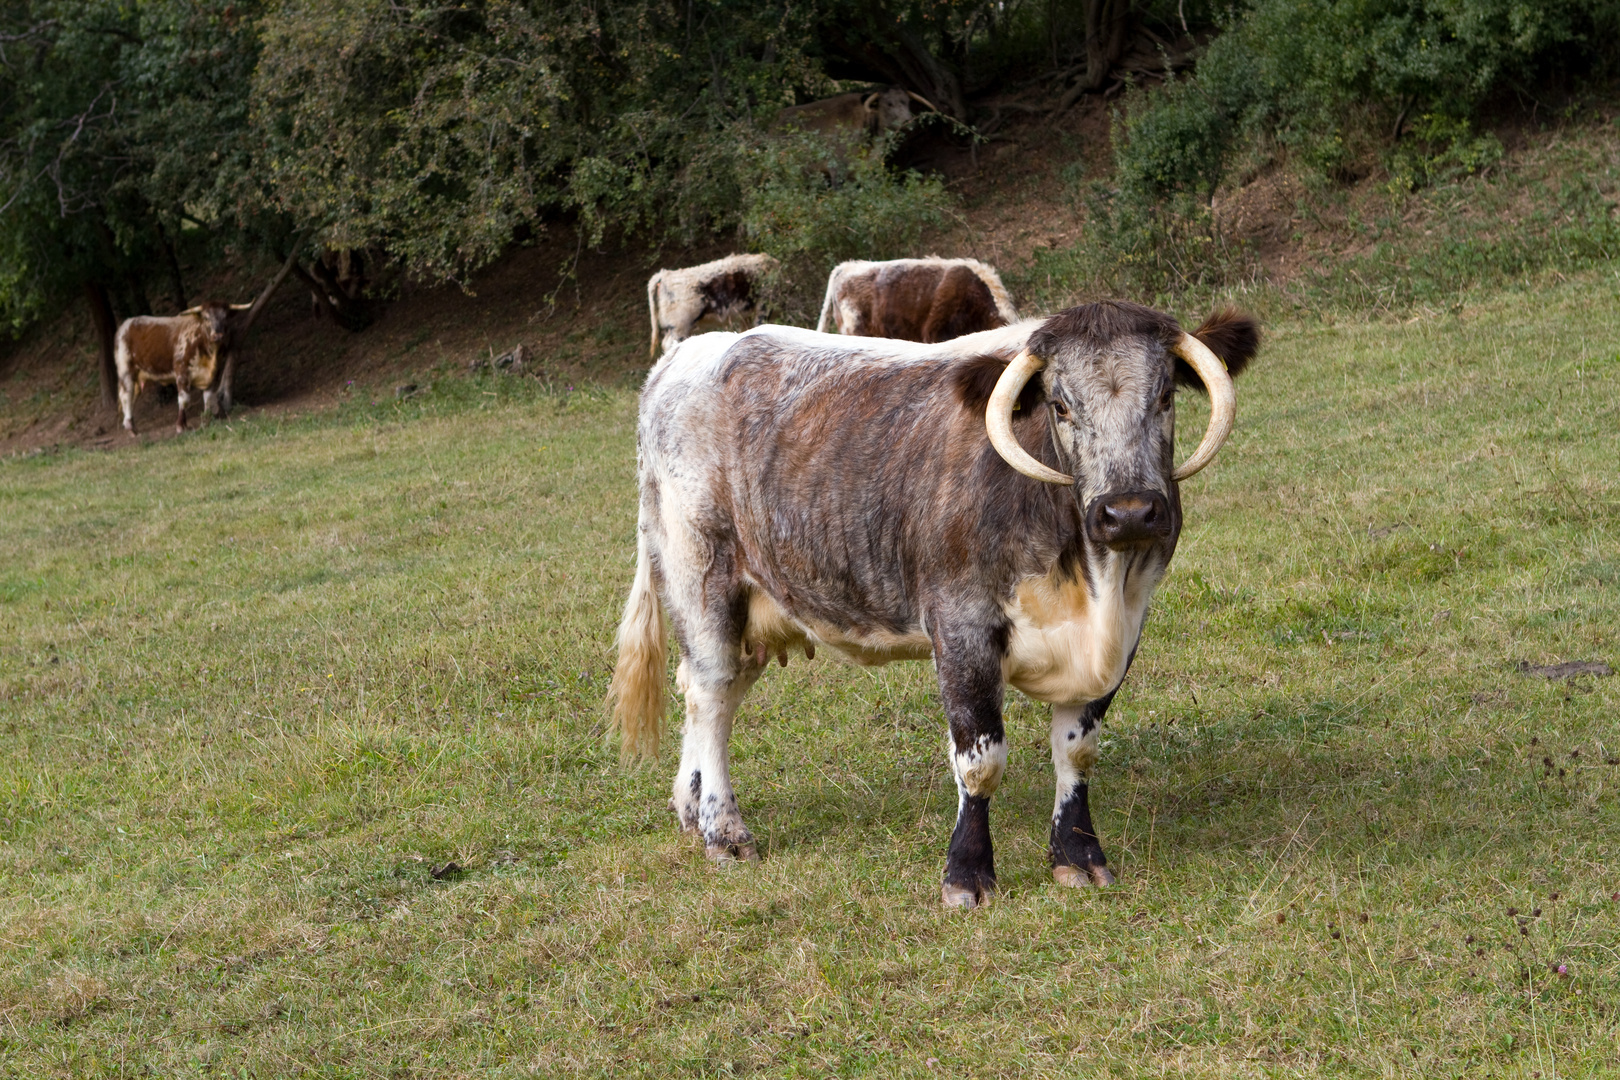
(1106, 23)
(101, 314)
(341, 303)
(176, 282)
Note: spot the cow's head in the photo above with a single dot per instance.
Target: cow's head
(215, 317)
(891, 108)
(1108, 379)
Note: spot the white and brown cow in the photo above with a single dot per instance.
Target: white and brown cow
(1004, 503)
(927, 300)
(849, 116)
(189, 350)
(717, 292)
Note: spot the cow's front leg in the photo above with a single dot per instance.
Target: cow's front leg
(703, 800)
(969, 663)
(1077, 856)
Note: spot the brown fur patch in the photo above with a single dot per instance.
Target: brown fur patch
(1231, 335)
(976, 380)
(1095, 325)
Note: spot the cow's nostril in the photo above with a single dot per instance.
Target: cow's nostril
(1128, 518)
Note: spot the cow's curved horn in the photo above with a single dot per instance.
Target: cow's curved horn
(925, 101)
(1222, 402)
(998, 420)
(866, 102)
(240, 307)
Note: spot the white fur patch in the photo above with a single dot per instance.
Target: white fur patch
(979, 768)
(1070, 643)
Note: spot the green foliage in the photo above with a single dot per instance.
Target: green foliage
(123, 134)
(801, 198)
(1319, 80)
(440, 133)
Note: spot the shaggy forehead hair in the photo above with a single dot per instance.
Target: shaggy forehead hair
(1092, 327)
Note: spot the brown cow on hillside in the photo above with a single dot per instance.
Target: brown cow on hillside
(852, 114)
(184, 349)
(928, 300)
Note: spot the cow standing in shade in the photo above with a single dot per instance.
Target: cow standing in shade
(184, 349)
(1004, 503)
(717, 292)
(926, 300)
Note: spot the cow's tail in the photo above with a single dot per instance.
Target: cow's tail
(652, 306)
(637, 692)
(833, 281)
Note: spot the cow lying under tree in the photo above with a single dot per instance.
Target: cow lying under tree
(1005, 503)
(720, 291)
(852, 115)
(926, 300)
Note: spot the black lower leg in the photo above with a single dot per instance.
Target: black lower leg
(971, 863)
(1074, 839)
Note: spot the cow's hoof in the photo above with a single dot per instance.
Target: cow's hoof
(961, 896)
(730, 853)
(1082, 877)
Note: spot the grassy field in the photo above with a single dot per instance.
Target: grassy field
(258, 686)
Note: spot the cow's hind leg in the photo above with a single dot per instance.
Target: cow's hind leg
(970, 683)
(126, 399)
(708, 608)
(1077, 856)
(703, 800)
(183, 399)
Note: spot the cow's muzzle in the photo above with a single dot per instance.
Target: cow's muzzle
(1128, 519)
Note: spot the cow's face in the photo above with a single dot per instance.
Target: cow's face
(1113, 417)
(214, 317)
(893, 109)
(1108, 379)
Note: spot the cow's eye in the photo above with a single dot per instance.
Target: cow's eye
(1167, 398)
(1060, 409)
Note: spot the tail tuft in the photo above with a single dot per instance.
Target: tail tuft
(637, 691)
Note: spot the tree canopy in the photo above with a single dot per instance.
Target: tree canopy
(138, 136)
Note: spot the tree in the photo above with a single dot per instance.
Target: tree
(123, 140)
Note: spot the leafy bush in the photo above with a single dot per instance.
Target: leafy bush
(800, 198)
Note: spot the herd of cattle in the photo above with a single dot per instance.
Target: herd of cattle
(939, 479)
(944, 482)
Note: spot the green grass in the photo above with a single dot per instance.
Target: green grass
(258, 683)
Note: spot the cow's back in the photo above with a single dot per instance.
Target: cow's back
(146, 344)
(929, 302)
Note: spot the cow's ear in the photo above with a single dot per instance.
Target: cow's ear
(1231, 335)
(976, 380)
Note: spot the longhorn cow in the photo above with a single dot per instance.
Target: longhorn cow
(930, 299)
(184, 349)
(1004, 503)
(720, 291)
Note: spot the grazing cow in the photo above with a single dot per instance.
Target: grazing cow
(721, 290)
(926, 300)
(184, 349)
(1005, 503)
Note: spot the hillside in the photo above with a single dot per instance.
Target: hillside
(1364, 248)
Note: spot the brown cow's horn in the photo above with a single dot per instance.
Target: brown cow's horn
(998, 420)
(240, 307)
(925, 101)
(866, 102)
(1222, 402)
